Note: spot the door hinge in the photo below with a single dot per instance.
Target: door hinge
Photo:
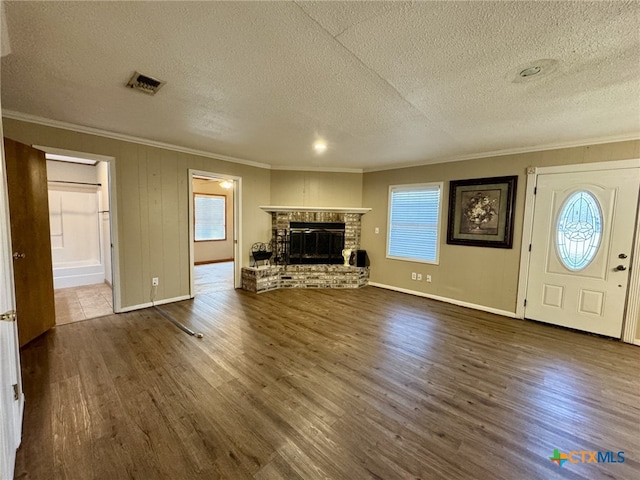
(535, 190)
(9, 316)
(529, 247)
(16, 393)
(525, 302)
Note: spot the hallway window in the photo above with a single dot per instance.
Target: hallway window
(210, 217)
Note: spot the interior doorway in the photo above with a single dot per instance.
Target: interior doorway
(80, 190)
(213, 231)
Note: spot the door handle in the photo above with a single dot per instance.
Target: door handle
(9, 316)
(621, 268)
(17, 255)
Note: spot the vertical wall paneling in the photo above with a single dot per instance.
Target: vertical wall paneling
(316, 189)
(172, 230)
(132, 225)
(182, 173)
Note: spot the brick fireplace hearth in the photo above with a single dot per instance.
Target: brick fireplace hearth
(283, 274)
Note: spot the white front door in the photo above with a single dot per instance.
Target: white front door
(581, 245)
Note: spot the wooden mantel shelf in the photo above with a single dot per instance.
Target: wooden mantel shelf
(271, 208)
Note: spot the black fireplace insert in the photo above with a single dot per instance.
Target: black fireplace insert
(316, 242)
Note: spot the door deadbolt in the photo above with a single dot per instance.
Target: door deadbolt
(622, 255)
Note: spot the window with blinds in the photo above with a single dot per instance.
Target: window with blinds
(414, 217)
(210, 217)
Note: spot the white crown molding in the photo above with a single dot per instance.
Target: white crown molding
(24, 117)
(317, 169)
(510, 151)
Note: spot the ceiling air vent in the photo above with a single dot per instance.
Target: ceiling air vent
(148, 85)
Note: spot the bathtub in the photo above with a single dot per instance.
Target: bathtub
(78, 275)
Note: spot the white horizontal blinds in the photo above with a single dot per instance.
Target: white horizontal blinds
(413, 222)
(210, 217)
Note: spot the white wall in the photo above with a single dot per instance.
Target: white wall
(71, 172)
(76, 241)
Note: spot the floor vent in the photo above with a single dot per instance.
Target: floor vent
(145, 84)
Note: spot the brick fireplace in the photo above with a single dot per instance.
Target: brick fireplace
(307, 245)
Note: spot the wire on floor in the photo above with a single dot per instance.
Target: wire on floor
(152, 297)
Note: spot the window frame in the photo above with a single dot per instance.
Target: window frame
(438, 226)
(195, 216)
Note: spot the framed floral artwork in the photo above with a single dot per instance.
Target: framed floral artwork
(481, 212)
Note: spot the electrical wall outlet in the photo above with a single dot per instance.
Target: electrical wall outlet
(420, 277)
(376, 230)
(413, 275)
(428, 278)
(154, 282)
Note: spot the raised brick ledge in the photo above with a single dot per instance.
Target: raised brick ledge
(266, 278)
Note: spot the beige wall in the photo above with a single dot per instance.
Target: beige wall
(483, 276)
(152, 194)
(215, 250)
(316, 189)
(152, 191)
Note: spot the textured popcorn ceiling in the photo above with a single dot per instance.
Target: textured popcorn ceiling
(384, 83)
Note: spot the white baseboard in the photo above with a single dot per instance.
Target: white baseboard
(157, 302)
(460, 303)
(636, 342)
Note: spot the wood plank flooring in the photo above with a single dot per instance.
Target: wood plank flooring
(325, 384)
(213, 277)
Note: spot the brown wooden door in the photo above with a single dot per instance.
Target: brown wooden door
(30, 238)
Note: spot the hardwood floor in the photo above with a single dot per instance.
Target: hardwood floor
(213, 277)
(331, 384)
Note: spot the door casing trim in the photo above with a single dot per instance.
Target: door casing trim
(113, 215)
(632, 309)
(237, 226)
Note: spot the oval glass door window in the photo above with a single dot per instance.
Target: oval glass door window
(579, 230)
